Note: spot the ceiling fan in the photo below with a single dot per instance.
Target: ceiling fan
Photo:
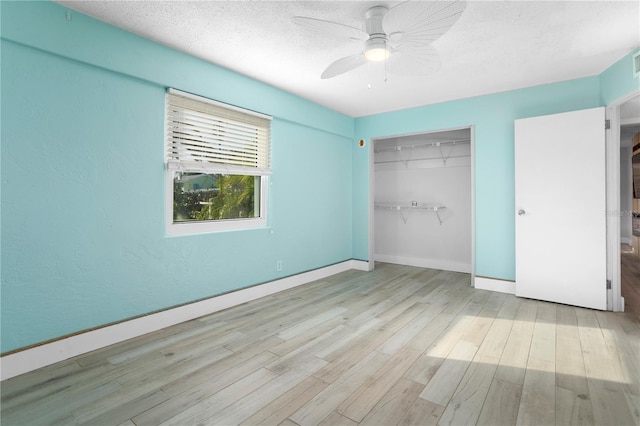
(400, 36)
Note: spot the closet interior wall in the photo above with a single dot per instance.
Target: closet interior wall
(422, 200)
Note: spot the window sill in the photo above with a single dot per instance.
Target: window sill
(198, 228)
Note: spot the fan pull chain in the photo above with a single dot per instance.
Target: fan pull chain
(386, 63)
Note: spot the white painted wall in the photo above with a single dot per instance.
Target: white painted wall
(626, 195)
(422, 240)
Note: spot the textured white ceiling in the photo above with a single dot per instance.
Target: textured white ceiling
(495, 46)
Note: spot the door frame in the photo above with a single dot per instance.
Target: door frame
(615, 302)
(472, 184)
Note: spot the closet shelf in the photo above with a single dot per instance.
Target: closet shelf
(405, 208)
(445, 154)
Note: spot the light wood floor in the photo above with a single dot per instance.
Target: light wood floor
(631, 282)
(400, 345)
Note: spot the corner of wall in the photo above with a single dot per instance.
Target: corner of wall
(618, 81)
(360, 187)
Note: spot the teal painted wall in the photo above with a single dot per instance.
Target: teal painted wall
(83, 234)
(492, 117)
(617, 81)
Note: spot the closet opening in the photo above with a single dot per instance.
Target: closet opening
(422, 200)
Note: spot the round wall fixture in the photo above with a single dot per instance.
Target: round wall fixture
(361, 143)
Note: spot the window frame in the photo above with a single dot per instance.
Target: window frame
(172, 166)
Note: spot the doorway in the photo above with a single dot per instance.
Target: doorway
(421, 200)
(629, 138)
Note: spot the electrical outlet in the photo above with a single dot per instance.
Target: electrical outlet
(279, 265)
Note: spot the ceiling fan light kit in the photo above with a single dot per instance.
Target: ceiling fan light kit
(401, 37)
(376, 50)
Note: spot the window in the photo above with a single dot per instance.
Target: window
(218, 163)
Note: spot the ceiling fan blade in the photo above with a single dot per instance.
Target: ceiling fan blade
(409, 61)
(343, 65)
(330, 28)
(421, 22)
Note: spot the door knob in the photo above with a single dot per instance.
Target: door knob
(521, 212)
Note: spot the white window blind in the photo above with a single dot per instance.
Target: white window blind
(207, 135)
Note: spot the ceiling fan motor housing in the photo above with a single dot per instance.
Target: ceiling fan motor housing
(376, 46)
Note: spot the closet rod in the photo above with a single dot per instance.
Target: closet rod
(423, 145)
(420, 159)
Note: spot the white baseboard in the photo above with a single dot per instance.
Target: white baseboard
(445, 265)
(49, 353)
(502, 286)
(361, 265)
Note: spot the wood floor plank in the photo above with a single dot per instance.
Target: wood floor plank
(353, 335)
(495, 340)
(443, 384)
(460, 298)
(298, 356)
(513, 362)
(570, 371)
(339, 366)
(626, 346)
(177, 365)
(448, 376)
(479, 326)
(329, 399)
(426, 337)
(300, 328)
(59, 406)
(400, 309)
(282, 407)
(24, 388)
(467, 401)
(121, 412)
(538, 400)
(206, 408)
(573, 403)
(469, 397)
(630, 282)
(337, 419)
(415, 326)
(40, 385)
(253, 356)
(606, 388)
(186, 394)
(426, 367)
(394, 404)
(501, 404)
(363, 399)
(422, 412)
(573, 408)
(242, 409)
(623, 337)
(102, 356)
(174, 339)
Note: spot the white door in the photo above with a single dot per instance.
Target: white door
(561, 208)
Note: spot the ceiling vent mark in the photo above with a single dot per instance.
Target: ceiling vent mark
(636, 64)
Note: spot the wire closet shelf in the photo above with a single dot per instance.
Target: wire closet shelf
(405, 208)
(445, 149)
